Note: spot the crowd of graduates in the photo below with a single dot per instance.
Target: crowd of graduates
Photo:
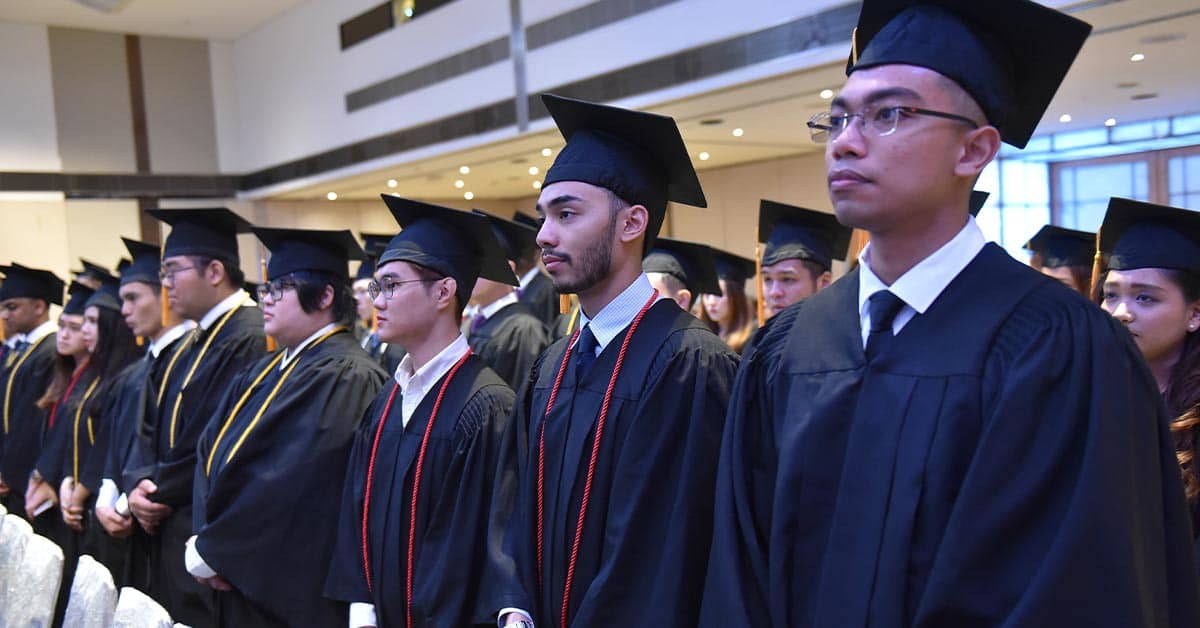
(570, 421)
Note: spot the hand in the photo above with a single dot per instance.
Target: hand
(80, 496)
(4, 489)
(117, 526)
(216, 582)
(37, 494)
(148, 513)
(514, 618)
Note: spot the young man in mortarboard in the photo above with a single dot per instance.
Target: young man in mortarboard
(128, 434)
(424, 502)
(25, 374)
(386, 354)
(272, 461)
(681, 271)
(965, 442)
(536, 289)
(622, 423)
(801, 245)
(503, 330)
(1064, 254)
(204, 284)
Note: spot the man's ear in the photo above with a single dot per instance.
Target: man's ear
(632, 222)
(978, 149)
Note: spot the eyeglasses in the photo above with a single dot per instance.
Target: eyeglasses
(388, 287)
(826, 126)
(274, 289)
(167, 273)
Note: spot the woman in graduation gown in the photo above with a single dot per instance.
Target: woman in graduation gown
(271, 461)
(730, 314)
(423, 474)
(1153, 287)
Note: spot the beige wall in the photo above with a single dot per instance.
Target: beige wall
(179, 105)
(91, 101)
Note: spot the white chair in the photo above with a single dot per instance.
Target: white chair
(14, 534)
(138, 610)
(93, 598)
(34, 595)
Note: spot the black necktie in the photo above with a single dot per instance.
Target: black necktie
(882, 308)
(585, 352)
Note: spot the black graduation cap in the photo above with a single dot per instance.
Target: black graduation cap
(107, 295)
(122, 264)
(732, 267)
(1146, 235)
(975, 205)
(792, 232)
(639, 156)
(77, 298)
(1059, 246)
(1009, 55)
(373, 245)
(689, 262)
(210, 232)
(532, 222)
(34, 283)
(514, 237)
(309, 249)
(93, 270)
(145, 265)
(455, 243)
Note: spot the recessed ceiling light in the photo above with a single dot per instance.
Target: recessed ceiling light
(469, 195)
(1066, 117)
(546, 152)
(704, 156)
(1110, 122)
(1137, 56)
(537, 185)
(464, 170)
(331, 196)
(459, 184)
(533, 170)
(392, 183)
(738, 132)
(826, 94)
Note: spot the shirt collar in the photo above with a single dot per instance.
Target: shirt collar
(422, 379)
(169, 336)
(490, 309)
(239, 298)
(529, 276)
(925, 282)
(619, 313)
(289, 354)
(39, 332)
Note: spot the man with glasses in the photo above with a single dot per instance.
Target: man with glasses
(204, 284)
(25, 374)
(422, 509)
(965, 441)
(272, 460)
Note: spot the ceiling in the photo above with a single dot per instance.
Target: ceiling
(1103, 83)
(204, 19)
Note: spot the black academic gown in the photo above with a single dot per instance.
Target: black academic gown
(462, 497)
(267, 492)
(644, 548)
(541, 297)
(510, 341)
(1004, 461)
(173, 466)
(22, 383)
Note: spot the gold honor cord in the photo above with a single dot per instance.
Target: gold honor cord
(79, 412)
(179, 347)
(262, 409)
(12, 376)
(192, 371)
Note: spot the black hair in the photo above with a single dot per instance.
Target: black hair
(310, 286)
(233, 273)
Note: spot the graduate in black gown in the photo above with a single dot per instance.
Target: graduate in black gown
(25, 374)
(1064, 254)
(620, 430)
(682, 271)
(730, 314)
(204, 284)
(945, 437)
(431, 440)
(503, 330)
(800, 245)
(536, 290)
(127, 430)
(271, 463)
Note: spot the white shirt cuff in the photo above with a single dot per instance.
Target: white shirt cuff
(194, 563)
(107, 497)
(362, 614)
(505, 611)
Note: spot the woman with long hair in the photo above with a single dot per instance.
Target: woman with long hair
(730, 315)
(1153, 287)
